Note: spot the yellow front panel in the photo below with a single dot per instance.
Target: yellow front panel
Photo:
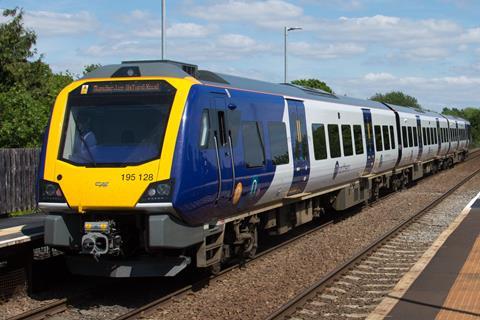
(103, 188)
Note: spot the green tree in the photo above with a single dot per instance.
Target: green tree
(28, 87)
(90, 67)
(313, 83)
(398, 98)
(470, 114)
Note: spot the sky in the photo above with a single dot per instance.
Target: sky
(429, 49)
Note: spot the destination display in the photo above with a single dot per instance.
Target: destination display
(124, 87)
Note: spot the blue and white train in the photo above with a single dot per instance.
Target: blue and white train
(186, 167)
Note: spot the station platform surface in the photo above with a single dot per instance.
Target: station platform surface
(445, 282)
(17, 230)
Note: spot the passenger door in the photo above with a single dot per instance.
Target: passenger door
(420, 138)
(301, 160)
(370, 146)
(223, 144)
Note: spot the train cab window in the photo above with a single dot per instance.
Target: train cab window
(334, 141)
(378, 138)
(357, 136)
(319, 143)
(253, 147)
(392, 137)
(278, 143)
(415, 137)
(347, 140)
(410, 137)
(205, 129)
(404, 137)
(386, 138)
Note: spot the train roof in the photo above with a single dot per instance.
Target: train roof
(174, 69)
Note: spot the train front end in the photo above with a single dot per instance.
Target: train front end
(104, 178)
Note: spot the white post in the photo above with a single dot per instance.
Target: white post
(163, 29)
(285, 55)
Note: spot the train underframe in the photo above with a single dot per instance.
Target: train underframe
(122, 244)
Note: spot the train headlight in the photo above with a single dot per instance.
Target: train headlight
(163, 189)
(50, 192)
(157, 192)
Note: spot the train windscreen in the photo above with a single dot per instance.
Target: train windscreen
(116, 123)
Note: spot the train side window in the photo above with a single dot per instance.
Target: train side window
(410, 137)
(415, 137)
(432, 139)
(404, 137)
(253, 144)
(347, 140)
(435, 135)
(357, 136)
(386, 138)
(392, 137)
(430, 136)
(378, 138)
(425, 142)
(334, 141)
(278, 143)
(205, 129)
(319, 143)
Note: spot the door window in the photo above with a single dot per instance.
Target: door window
(357, 135)
(378, 138)
(278, 143)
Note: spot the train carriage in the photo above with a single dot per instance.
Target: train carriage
(151, 166)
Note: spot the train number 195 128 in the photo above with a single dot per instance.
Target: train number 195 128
(135, 177)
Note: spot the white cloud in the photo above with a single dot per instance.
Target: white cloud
(224, 47)
(253, 11)
(47, 23)
(382, 76)
(327, 51)
(433, 93)
(176, 30)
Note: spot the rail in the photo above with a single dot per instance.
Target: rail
(290, 307)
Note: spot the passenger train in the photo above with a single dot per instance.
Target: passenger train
(148, 167)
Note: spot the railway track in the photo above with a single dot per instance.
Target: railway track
(43, 311)
(62, 305)
(376, 269)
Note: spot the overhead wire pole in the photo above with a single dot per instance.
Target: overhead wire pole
(163, 28)
(285, 33)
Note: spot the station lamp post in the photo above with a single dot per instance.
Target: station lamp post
(285, 32)
(163, 28)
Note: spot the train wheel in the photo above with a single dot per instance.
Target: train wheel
(216, 268)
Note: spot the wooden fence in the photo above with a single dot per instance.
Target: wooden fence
(18, 172)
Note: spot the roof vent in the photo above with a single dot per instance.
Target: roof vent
(189, 68)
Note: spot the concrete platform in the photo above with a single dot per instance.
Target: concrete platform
(19, 230)
(445, 282)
